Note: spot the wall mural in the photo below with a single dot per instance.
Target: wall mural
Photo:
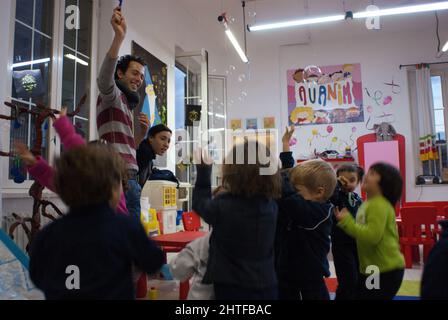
(323, 95)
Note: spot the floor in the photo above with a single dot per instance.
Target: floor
(169, 290)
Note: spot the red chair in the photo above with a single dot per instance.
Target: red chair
(414, 219)
(191, 221)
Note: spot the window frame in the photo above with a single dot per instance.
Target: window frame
(443, 74)
(55, 96)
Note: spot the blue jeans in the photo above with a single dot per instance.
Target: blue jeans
(132, 196)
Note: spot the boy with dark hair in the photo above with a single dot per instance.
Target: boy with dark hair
(343, 246)
(157, 143)
(89, 253)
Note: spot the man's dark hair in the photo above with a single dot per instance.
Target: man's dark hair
(156, 129)
(125, 61)
(353, 168)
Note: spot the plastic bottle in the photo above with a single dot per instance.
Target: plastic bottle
(152, 294)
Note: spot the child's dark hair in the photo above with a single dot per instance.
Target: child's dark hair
(87, 175)
(241, 177)
(158, 128)
(123, 63)
(351, 168)
(391, 182)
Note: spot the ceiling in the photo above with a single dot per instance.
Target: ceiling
(205, 12)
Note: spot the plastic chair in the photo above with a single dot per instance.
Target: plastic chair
(191, 221)
(413, 219)
(165, 248)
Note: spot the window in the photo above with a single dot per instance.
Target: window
(77, 65)
(33, 43)
(36, 42)
(439, 86)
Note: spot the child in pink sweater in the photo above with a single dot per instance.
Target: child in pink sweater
(41, 170)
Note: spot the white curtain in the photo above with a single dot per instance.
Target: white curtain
(425, 108)
(422, 110)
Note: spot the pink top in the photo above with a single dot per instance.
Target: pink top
(44, 174)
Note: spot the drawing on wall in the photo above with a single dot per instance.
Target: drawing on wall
(332, 96)
(252, 124)
(153, 93)
(269, 122)
(236, 124)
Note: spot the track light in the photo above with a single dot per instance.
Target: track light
(358, 15)
(232, 39)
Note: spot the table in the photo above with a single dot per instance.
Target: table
(178, 241)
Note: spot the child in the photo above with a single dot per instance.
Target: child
(304, 226)
(89, 253)
(435, 276)
(241, 255)
(376, 235)
(192, 262)
(39, 168)
(343, 246)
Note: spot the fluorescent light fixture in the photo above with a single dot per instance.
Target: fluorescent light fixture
(445, 47)
(294, 23)
(403, 10)
(28, 63)
(236, 45)
(80, 61)
(217, 115)
(358, 15)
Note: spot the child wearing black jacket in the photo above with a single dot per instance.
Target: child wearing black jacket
(243, 218)
(343, 246)
(303, 227)
(89, 253)
(435, 276)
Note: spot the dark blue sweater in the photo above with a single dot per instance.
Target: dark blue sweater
(340, 200)
(303, 234)
(435, 274)
(242, 243)
(103, 245)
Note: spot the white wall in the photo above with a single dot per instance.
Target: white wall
(379, 55)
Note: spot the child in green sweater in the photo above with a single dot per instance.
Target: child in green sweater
(376, 235)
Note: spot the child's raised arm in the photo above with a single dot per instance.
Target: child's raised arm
(202, 193)
(67, 132)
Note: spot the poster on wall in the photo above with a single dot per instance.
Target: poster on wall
(334, 96)
(153, 93)
(269, 122)
(252, 123)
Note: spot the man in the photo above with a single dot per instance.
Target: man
(157, 143)
(118, 83)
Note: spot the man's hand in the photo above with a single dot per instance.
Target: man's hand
(25, 154)
(144, 123)
(340, 214)
(119, 24)
(287, 137)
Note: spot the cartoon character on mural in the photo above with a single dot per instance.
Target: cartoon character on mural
(338, 116)
(352, 113)
(298, 76)
(302, 115)
(321, 117)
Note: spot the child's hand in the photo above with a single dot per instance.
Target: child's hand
(287, 137)
(343, 181)
(201, 157)
(340, 214)
(25, 154)
(63, 112)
